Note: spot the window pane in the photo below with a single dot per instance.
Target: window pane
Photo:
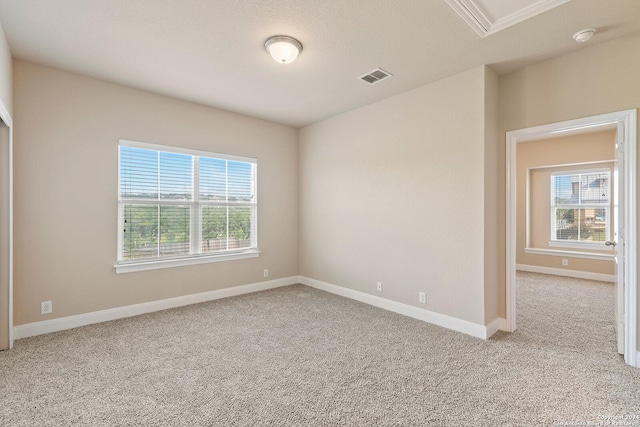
(176, 180)
(584, 225)
(138, 173)
(567, 224)
(593, 225)
(239, 227)
(140, 231)
(566, 189)
(240, 181)
(166, 179)
(594, 188)
(213, 179)
(589, 193)
(175, 230)
(214, 229)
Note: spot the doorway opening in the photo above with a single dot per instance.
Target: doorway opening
(624, 232)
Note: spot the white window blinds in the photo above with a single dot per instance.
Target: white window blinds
(177, 203)
(580, 206)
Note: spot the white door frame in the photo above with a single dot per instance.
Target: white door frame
(6, 118)
(627, 119)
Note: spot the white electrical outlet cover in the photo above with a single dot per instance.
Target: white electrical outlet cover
(46, 307)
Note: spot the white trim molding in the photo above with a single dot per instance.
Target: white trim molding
(499, 324)
(625, 122)
(567, 273)
(570, 246)
(479, 17)
(4, 115)
(69, 322)
(570, 254)
(449, 322)
(180, 262)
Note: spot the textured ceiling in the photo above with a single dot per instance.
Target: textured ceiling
(211, 51)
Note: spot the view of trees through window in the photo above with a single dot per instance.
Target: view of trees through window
(175, 205)
(580, 206)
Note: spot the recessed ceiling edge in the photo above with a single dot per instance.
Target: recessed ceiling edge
(475, 15)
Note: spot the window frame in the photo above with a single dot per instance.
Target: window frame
(554, 241)
(196, 205)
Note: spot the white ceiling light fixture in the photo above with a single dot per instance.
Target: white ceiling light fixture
(283, 49)
(585, 35)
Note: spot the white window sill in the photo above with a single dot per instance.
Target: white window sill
(179, 262)
(568, 253)
(598, 246)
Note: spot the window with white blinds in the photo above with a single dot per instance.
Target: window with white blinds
(176, 204)
(580, 206)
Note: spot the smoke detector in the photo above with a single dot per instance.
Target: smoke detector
(585, 35)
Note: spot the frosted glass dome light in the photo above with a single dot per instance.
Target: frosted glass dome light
(283, 49)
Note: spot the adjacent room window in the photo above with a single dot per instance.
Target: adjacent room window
(580, 206)
(176, 204)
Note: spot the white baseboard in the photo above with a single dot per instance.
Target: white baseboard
(69, 322)
(496, 325)
(567, 273)
(449, 322)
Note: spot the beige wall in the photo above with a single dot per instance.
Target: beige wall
(494, 277)
(67, 128)
(598, 79)
(6, 83)
(535, 161)
(395, 192)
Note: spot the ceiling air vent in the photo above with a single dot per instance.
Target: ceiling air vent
(374, 76)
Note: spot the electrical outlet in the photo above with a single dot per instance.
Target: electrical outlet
(565, 262)
(46, 307)
(379, 286)
(266, 272)
(422, 297)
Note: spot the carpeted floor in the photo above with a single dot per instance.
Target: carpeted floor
(296, 356)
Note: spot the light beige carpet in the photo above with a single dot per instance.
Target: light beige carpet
(296, 356)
